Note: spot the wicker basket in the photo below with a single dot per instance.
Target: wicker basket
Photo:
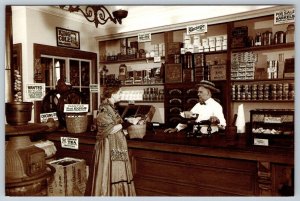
(137, 131)
(76, 123)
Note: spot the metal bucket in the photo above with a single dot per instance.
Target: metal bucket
(18, 113)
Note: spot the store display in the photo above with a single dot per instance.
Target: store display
(272, 127)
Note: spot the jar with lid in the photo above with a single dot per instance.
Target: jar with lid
(290, 33)
(279, 37)
(267, 38)
(258, 39)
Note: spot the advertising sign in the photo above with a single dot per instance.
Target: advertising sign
(69, 142)
(35, 91)
(284, 16)
(76, 108)
(196, 29)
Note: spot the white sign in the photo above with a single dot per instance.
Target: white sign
(94, 88)
(69, 142)
(35, 91)
(144, 37)
(45, 116)
(284, 16)
(261, 142)
(157, 59)
(196, 29)
(76, 108)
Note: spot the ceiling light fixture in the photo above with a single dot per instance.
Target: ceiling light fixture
(98, 14)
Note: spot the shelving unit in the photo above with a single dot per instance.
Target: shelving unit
(264, 52)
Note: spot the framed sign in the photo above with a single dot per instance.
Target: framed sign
(67, 38)
(173, 73)
(218, 72)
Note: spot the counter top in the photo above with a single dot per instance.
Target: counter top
(217, 145)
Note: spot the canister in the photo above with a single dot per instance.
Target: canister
(290, 33)
(267, 38)
(279, 37)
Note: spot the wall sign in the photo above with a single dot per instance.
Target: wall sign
(144, 37)
(284, 16)
(35, 91)
(67, 38)
(94, 88)
(76, 108)
(196, 29)
(218, 72)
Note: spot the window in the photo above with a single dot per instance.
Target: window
(79, 68)
(77, 72)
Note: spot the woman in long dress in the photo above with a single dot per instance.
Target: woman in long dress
(112, 174)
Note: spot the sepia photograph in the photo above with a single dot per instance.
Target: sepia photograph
(150, 101)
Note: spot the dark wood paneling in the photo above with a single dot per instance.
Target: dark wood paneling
(180, 174)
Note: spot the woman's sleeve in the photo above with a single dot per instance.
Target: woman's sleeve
(106, 125)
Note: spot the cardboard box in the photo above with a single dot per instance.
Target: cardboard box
(69, 179)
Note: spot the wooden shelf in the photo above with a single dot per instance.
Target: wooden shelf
(213, 52)
(129, 60)
(265, 47)
(265, 80)
(144, 101)
(141, 85)
(266, 101)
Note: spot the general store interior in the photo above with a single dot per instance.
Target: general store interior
(35, 49)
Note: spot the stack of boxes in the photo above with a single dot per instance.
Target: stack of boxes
(69, 179)
(192, 43)
(243, 66)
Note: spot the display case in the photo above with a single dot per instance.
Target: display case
(272, 127)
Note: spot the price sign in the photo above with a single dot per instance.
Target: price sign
(76, 108)
(69, 142)
(45, 116)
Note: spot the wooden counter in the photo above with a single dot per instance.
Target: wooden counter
(167, 164)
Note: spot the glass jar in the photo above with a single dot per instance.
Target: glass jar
(290, 33)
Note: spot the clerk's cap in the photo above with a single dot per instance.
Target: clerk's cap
(209, 85)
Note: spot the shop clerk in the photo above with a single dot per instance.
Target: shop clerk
(207, 109)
